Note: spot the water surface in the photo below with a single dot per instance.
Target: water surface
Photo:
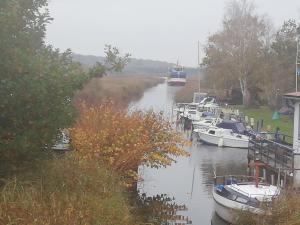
(189, 180)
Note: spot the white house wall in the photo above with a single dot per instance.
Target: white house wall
(296, 144)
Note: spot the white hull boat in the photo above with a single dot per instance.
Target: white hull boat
(177, 77)
(176, 81)
(223, 138)
(235, 196)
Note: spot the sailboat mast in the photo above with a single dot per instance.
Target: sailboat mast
(199, 65)
(297, 63)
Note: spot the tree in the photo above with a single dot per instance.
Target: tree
(284, 53)
(113, 62)
(123, 141)
(37, 83)
(233, 55)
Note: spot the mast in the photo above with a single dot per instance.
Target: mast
(199, 64)
(297, 64)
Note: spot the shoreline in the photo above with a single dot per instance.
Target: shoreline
(119, 89)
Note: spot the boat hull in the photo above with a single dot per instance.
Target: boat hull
(176, 82)
(228, 209)
(223, 141)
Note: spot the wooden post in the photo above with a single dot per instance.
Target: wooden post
(272, 179)
(265, 174)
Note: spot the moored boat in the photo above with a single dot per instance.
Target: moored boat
(223, 138)
(234, 193)
(177, 76)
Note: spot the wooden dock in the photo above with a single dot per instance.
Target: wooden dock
(277, 157)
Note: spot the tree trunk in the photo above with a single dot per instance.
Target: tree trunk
(245, 92)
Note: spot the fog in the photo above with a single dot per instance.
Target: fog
(166, 30)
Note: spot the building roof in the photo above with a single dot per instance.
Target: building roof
(293, 95)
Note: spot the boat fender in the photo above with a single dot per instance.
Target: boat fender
(221, 142)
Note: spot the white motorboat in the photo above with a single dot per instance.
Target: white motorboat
(208, 102)
(234, 193)
(223, 138)
(191, 112)
(206, 123)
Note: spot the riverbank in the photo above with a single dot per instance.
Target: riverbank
(285, 210)
(100, 175)
(187, 92)
(121, 89)
(285, 123)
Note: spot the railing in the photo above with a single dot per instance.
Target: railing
(274, 154)
(235, 179)
(236, 194)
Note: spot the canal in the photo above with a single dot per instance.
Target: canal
(189, 181)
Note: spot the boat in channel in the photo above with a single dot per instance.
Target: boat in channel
(177, 76)
(225, 133)
(232, 194)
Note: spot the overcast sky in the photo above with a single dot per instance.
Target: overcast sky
(164, 30)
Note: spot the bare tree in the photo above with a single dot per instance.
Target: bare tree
(233, 55)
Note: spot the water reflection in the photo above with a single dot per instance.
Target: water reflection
(189, 180)
(161, 210)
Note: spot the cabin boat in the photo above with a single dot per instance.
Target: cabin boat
(234, 193)
(223, 138)
(206, 123)
(191, 112)
(236, 126)
(177, 76)
(199, 96)
(208, 102)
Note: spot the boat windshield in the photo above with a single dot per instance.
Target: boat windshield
(193, 107)
(191, 112)
(236, 196)
(240, 128)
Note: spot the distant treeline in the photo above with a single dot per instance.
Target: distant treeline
(136, 66)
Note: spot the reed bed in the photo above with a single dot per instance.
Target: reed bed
(186, 94)
(120, 89)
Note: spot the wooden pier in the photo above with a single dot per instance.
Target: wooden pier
(277, 158)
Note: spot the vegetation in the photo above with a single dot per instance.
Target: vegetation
(37, 83)
(135, 66)
(125, 141)
(67, 190)
(121, 89)
(187, 92)
(245, 54)
(285, 211)
(87, 186)
(37, 86)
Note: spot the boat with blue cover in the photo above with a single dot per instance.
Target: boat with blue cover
(177, 76)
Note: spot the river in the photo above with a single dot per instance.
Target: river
(189, 181)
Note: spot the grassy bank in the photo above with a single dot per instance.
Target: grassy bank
(186, 94)
(285, 123)
(121, 89)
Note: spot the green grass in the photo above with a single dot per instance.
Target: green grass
(285, 123)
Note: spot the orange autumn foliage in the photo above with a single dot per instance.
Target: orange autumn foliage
(123, 140)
